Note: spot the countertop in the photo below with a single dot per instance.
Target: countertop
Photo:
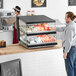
(16, 48)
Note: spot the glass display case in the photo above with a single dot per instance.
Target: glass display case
(36, 31)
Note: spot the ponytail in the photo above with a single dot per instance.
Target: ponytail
(74, 16)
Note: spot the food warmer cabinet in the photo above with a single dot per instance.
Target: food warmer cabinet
(36, 31)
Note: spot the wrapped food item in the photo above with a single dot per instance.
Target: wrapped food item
(52, 28)
(35, 29)
(46, 38)
(32, 42)
(52, 39)
(49, 27)
(40, 27)
(28, 30)
(46, 26)
(31, 39)
(38, 40)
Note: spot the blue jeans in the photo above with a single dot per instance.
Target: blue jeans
(70, 62)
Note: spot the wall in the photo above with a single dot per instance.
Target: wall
(7, 36)
(55, 9)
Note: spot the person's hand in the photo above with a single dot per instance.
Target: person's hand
(5, 19)
(64, 55)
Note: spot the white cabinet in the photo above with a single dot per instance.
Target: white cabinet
(40, 63)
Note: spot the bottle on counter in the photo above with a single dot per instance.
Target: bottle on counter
(29, 13)
(33, 12)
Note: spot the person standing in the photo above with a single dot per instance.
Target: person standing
(69, 43)
(17, 10)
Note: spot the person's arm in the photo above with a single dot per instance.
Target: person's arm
(13, 20)
(60, 29)
(60, 26)
(68, 41)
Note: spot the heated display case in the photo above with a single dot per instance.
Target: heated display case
(36, 31)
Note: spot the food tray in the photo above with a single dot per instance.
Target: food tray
(37, 46)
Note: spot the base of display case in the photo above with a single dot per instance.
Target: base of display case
(38, 45)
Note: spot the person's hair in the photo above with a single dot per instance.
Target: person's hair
(71, 15)
(18, 9)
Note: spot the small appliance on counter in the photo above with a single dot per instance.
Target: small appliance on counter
(6, 30)
(3, 24)
(36, 31)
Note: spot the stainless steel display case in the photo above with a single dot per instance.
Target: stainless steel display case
(36, 31)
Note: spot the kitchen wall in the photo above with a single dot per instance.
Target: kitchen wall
(55, 9)
(7, 36)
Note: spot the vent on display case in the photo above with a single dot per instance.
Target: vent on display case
(11, 68)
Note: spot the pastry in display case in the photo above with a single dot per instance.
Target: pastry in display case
(36, 31)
